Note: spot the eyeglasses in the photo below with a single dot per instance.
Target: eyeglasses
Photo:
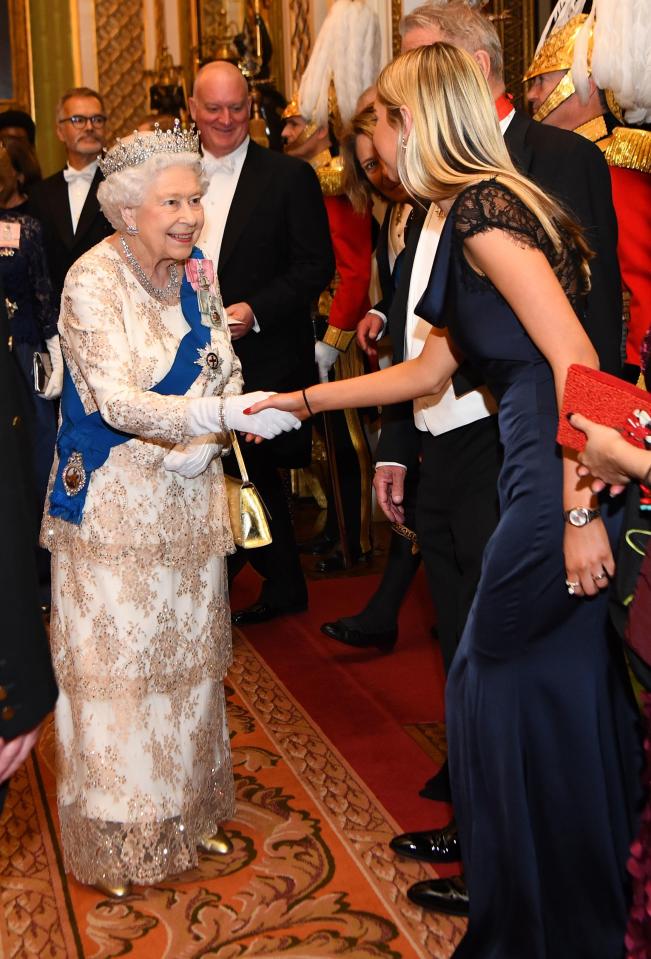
(79, 121)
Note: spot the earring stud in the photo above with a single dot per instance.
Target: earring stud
(132, 230)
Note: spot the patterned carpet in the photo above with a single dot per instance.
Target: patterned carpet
(311, 874)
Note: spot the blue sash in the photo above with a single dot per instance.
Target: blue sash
(85, 440)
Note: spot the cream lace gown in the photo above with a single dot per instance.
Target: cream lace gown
(140, 626)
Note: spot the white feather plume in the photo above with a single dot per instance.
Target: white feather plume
(347, 50)
(580, 65)
(560, 15)
(621, 55)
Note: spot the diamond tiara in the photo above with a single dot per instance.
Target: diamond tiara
(140, 146)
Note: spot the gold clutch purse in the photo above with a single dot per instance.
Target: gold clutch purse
(248, 514)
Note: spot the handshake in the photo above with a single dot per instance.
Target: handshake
(208, 415)
(267, 423)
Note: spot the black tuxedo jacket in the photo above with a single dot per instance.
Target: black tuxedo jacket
(573, 171)
(276, 255)
(48, 202)
(385, 275)
(28, 689)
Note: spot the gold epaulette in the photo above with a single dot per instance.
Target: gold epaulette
(331, 177)
(630, 149)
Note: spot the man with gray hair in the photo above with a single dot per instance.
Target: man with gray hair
(66, 202)
(458, 442)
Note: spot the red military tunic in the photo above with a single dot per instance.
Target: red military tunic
(629, 158)
(346, 300)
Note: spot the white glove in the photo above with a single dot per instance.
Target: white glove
(325, 357)
(191, 458)
(267, 423)
(207, 414)
(54, 385)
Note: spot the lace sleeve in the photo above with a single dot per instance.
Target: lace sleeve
(39, 279)
(94, 338)
(492, 206)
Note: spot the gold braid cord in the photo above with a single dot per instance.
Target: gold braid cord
(121, 62)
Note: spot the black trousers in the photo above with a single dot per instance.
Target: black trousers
(279, 565)
(456, 512)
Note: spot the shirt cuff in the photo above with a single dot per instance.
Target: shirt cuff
(384, 323)
(391, 463)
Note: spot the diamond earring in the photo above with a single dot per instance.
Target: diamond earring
(132, 230)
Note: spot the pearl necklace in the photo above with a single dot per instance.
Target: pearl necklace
(162, 294)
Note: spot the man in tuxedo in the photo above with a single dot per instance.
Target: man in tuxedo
(66, 202)
(266, 229)
(27, 687)
(456, 437)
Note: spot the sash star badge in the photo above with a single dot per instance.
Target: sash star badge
(209, 361)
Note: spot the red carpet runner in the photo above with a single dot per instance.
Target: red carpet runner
(311, 874)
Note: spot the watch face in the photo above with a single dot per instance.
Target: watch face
(578, 516)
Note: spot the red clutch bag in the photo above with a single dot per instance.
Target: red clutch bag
(603, 399)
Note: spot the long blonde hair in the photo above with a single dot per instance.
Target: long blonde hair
(455, 139)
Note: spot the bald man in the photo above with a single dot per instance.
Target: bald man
(267, 230)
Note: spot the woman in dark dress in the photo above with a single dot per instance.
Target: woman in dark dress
(32, 312)
(542, 730)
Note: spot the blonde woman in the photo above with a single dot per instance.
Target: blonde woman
(542, 734)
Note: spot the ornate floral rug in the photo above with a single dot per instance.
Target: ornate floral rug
(311, 874)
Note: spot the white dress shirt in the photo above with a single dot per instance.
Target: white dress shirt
(79, 182)
(439, 412)
(444, 411)
(223, 174)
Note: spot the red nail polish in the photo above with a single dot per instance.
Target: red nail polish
(247, 410)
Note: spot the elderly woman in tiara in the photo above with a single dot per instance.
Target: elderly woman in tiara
(138, 528)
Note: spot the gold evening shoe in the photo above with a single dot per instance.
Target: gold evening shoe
(219, 843)
(114, 890)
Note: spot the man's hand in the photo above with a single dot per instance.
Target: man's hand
(14, 752)
(240, 319)
(389, 484)
(368, 330)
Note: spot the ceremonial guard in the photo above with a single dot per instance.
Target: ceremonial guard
(345, 61)
(577, 82)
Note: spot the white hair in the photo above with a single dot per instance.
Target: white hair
(129, 187)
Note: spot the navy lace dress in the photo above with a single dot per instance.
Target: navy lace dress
(543, 734)
(32, 312)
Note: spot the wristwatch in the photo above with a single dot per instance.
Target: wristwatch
(580, 515)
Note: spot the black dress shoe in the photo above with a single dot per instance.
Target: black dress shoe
(261, 613)
(317, 546)
(334, 563)
(356, 637)
(435, 845)
(441, 895)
